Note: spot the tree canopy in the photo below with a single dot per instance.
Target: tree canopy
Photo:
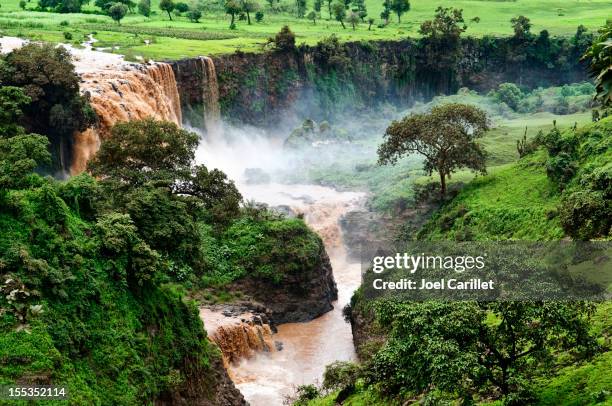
(600, 57)
(446, 136)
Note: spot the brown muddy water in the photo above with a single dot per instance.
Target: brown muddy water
(267, 377)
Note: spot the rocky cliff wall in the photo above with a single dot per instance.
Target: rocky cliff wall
(331, 78)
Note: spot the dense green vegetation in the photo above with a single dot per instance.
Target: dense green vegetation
(426, 352)
(94, 272)
(175, 34)
(524, 353)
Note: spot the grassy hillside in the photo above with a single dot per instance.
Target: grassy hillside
(391, 187)
(181, 38)
(560, 188)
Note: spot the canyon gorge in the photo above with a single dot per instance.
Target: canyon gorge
(243, 105)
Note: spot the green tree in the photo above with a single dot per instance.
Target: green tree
(353, 19)
(339, 11)
(20, 153)
(144, 7)
(442, 42)
(360, 8)
(284, 40)
(370, 22)
(329, 9)
(521, 26)
(140, 152)
(300, 8)
(386, 13)
(599, 56)
(167, 6)
(250, 6)
(446, 137)
(259, 16)
(510, 94)
(232, 7)
(317, 5)
(117, 11)
(464, 347)
(194, 15)
(56, 109)
(399, 7)
(181, 7)
(22, 4)
(312, 16)
(153, 154)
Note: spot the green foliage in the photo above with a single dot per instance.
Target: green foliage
(462, 348)
(340, 375)
(94, 314)
(284, 40)
(144, 7)
(600, 56)
(441, 39)
(232, 7)
(181, 7)
(446, 137)
(339, 12)
(139, 152)
(117, 11)
(167, 6)
(521, 26)
(47, 78)
(253, 246)
(194, 15)
(399, 7)
(510, 94)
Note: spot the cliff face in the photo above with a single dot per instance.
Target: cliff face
(330, 78)
(298, 297)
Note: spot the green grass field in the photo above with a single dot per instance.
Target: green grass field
(181, 38)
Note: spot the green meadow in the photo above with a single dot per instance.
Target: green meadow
(159, 38)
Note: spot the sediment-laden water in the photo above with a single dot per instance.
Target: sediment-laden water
(268, 376)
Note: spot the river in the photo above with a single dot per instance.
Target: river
(268, 377)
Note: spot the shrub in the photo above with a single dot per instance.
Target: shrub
(67, 36)
(510, 94)
(181, 7)
(585, 214)
(284, 40)
(340, 375)
(194, 15)
(144, 7)
(259, 16)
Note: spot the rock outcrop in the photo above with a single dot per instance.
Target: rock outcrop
(298, 297)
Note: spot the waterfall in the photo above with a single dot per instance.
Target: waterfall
(210, 96)
(238, 336)
(241, 341)
(123, 94)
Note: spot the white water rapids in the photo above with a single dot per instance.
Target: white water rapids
(308, 347)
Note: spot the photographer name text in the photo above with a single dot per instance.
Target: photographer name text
(441, 284)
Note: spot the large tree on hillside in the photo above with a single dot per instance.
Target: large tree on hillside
(446, 136)
(600, 57)
(151, 153)
(47, 77)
